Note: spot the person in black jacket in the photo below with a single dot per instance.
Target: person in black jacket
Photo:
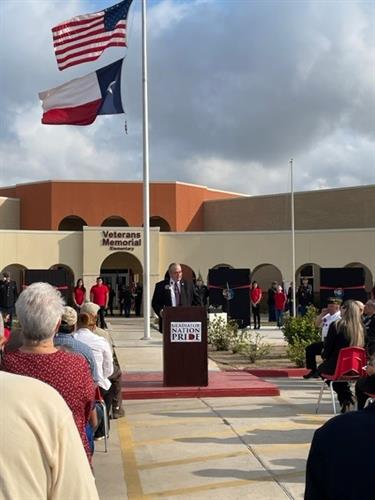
(340, 464)
(369, 322)
(304, 296)
(345, 332)
(8, 296)
(174, 292)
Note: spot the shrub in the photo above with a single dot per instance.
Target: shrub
(299, 332)
(221, 333)
(255, 348)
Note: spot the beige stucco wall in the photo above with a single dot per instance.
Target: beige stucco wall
(9, 213)
(84, 252)
(41, 249)
(327, 248)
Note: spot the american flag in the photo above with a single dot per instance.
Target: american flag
(84, 38)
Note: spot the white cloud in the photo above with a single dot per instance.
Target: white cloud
(235, 89)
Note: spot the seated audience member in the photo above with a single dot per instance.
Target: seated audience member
(39, 309)
(64, 337)
(340, 465)
(369, 321)
(103, 358)
(326, 317)
(116, 388)
(348, 331)
(3, 339)
(5, 316)
(42, 456)
(366, 385)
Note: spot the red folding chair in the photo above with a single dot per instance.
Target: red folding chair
(349, 368)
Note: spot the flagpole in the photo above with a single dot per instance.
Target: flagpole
(293, 237)
(146, 188)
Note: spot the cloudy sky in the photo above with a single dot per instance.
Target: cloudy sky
(236, 88)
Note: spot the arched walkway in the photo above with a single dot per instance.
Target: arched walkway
(221, 266)
(115, 221)
(369, 280)
(17, 273)
(156, 221)
(121, 269)
(265, 274)
(311, 271)
(68, 271)
(72, 223)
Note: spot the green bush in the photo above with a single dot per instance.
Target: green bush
(221, 333)
(239, 339)
(255, 348)
(300, 332)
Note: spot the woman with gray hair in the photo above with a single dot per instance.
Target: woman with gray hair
(39, 309)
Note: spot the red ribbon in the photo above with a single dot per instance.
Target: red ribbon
(230, 288)
(342, 287)
(64, 287)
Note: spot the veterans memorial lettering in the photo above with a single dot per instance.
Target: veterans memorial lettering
(182, 331)
(121, 240)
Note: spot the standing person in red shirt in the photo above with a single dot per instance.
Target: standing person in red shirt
(99, 294)
(256, 297)
(79, 294)
(280, 301)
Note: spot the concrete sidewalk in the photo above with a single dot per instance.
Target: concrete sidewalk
(210, 448)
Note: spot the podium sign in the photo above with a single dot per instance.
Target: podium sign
(185, 360)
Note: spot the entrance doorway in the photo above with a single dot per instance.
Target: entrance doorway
(123, 270)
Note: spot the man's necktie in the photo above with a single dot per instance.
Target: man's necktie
(177, 294)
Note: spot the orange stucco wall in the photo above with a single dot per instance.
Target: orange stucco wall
(45, 204)
(35, 206)
(189, 205)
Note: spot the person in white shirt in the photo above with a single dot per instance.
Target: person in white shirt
(42, 456)
(327, 316)
(103, 357)
(100, 348)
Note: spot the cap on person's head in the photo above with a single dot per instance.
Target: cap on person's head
(334, 300)
(69, 316)
(90, 308)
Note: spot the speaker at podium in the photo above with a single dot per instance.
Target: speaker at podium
(185, 358)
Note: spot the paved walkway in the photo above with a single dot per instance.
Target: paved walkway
(211, 448)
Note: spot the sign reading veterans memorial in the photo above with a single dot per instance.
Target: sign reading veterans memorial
(121, 240)
(182, 331)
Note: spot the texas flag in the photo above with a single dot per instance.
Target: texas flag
(81, 100)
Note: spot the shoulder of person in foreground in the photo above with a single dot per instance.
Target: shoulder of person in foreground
(332, 449)
(38, 429)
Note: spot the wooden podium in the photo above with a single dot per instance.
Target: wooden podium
(185, 361)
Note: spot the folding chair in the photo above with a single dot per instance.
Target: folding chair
(349, 368)
(100, 401)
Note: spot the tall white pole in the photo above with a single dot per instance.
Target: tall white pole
(146, 190)
(293, 236)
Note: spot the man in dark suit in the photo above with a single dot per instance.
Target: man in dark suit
(174, 292)
(340, 465)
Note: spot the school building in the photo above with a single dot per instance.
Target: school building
(95, 228)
